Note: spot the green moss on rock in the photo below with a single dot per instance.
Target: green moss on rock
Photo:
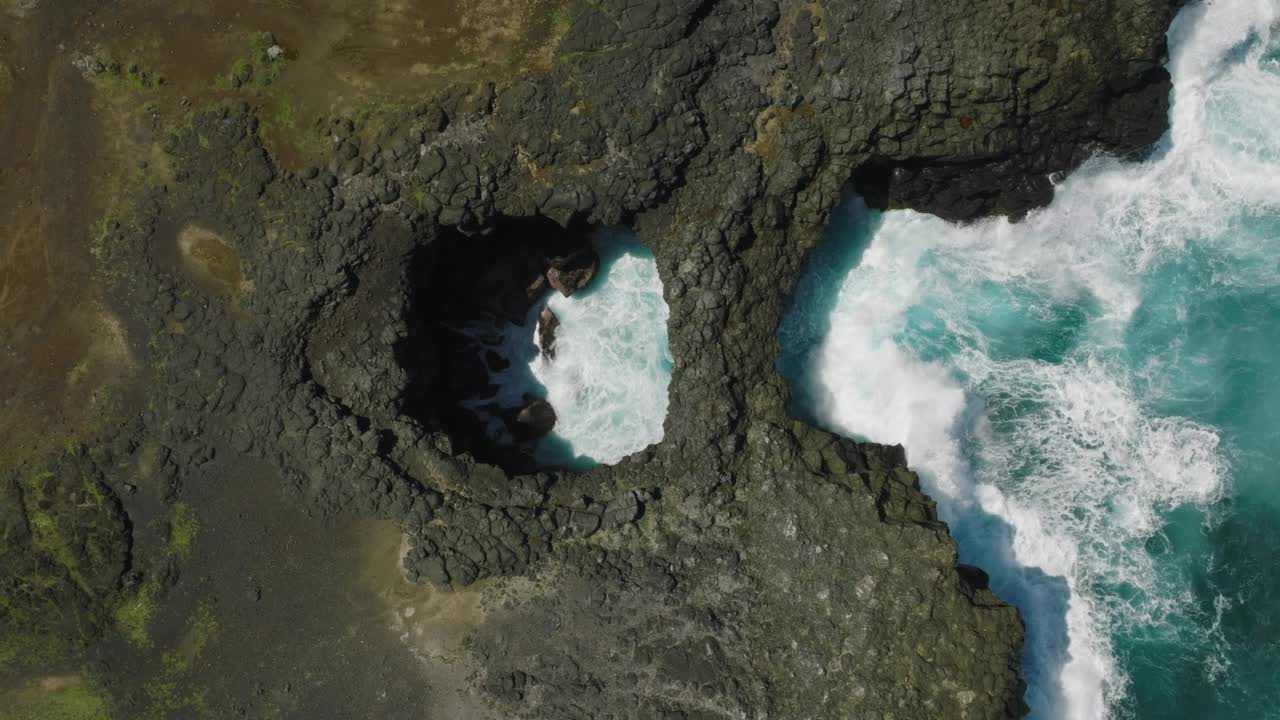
(64, 544)
(257, 69)
(133, 615)
(172, 690)
(183, 528)
(47, 536)
(53, 698)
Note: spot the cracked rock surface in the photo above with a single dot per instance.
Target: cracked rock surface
(746, 566)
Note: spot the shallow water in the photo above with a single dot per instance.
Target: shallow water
(1090, 394)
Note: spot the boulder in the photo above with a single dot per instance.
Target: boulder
(548, 324)
(535, 419)
(573, 273)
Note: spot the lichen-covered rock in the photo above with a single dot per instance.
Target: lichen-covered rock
(64, 550)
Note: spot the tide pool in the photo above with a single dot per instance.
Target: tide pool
(1093, 394)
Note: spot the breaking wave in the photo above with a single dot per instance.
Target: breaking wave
(1078, 389)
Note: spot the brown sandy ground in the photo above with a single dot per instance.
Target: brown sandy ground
(86, 92)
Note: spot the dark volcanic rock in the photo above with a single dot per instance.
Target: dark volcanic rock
(574, 269)
(548, 326)
(573, 274)
(748, 565)
(63, 556)
(535, 419)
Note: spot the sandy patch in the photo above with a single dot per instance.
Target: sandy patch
(433, 624)
(211, 261)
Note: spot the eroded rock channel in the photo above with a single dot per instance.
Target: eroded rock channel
(748, 565)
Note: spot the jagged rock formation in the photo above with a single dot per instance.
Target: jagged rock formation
(570, 274)
(535, 419)
(548, 326)
(748, 565)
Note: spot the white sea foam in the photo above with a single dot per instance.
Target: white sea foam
(608, 381)
(1054, 472)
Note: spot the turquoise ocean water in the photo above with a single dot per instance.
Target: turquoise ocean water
(1093, 394)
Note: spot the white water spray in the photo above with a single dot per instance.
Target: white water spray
(1049, 462)
(612, 365)
(608, 381)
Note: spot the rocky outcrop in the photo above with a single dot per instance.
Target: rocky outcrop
(568, 275)
(535, 419)
(748, 565)
(64, 555)
(548, 326)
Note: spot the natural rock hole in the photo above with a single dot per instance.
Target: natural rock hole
(536, 345)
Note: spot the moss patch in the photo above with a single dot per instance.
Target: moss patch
(94, 491)
(257, 69)
(378, 110)
(280, 115)
(27, 651)
(133, 616)
(183, 528)
(107, 233)
(418, 192)
(113, 76)
(171, 691)
(560, 20)
(202, 630)
(46, 536)
(64, 543)
(53, 698)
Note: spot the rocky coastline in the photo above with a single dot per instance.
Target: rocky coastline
(749, 565)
